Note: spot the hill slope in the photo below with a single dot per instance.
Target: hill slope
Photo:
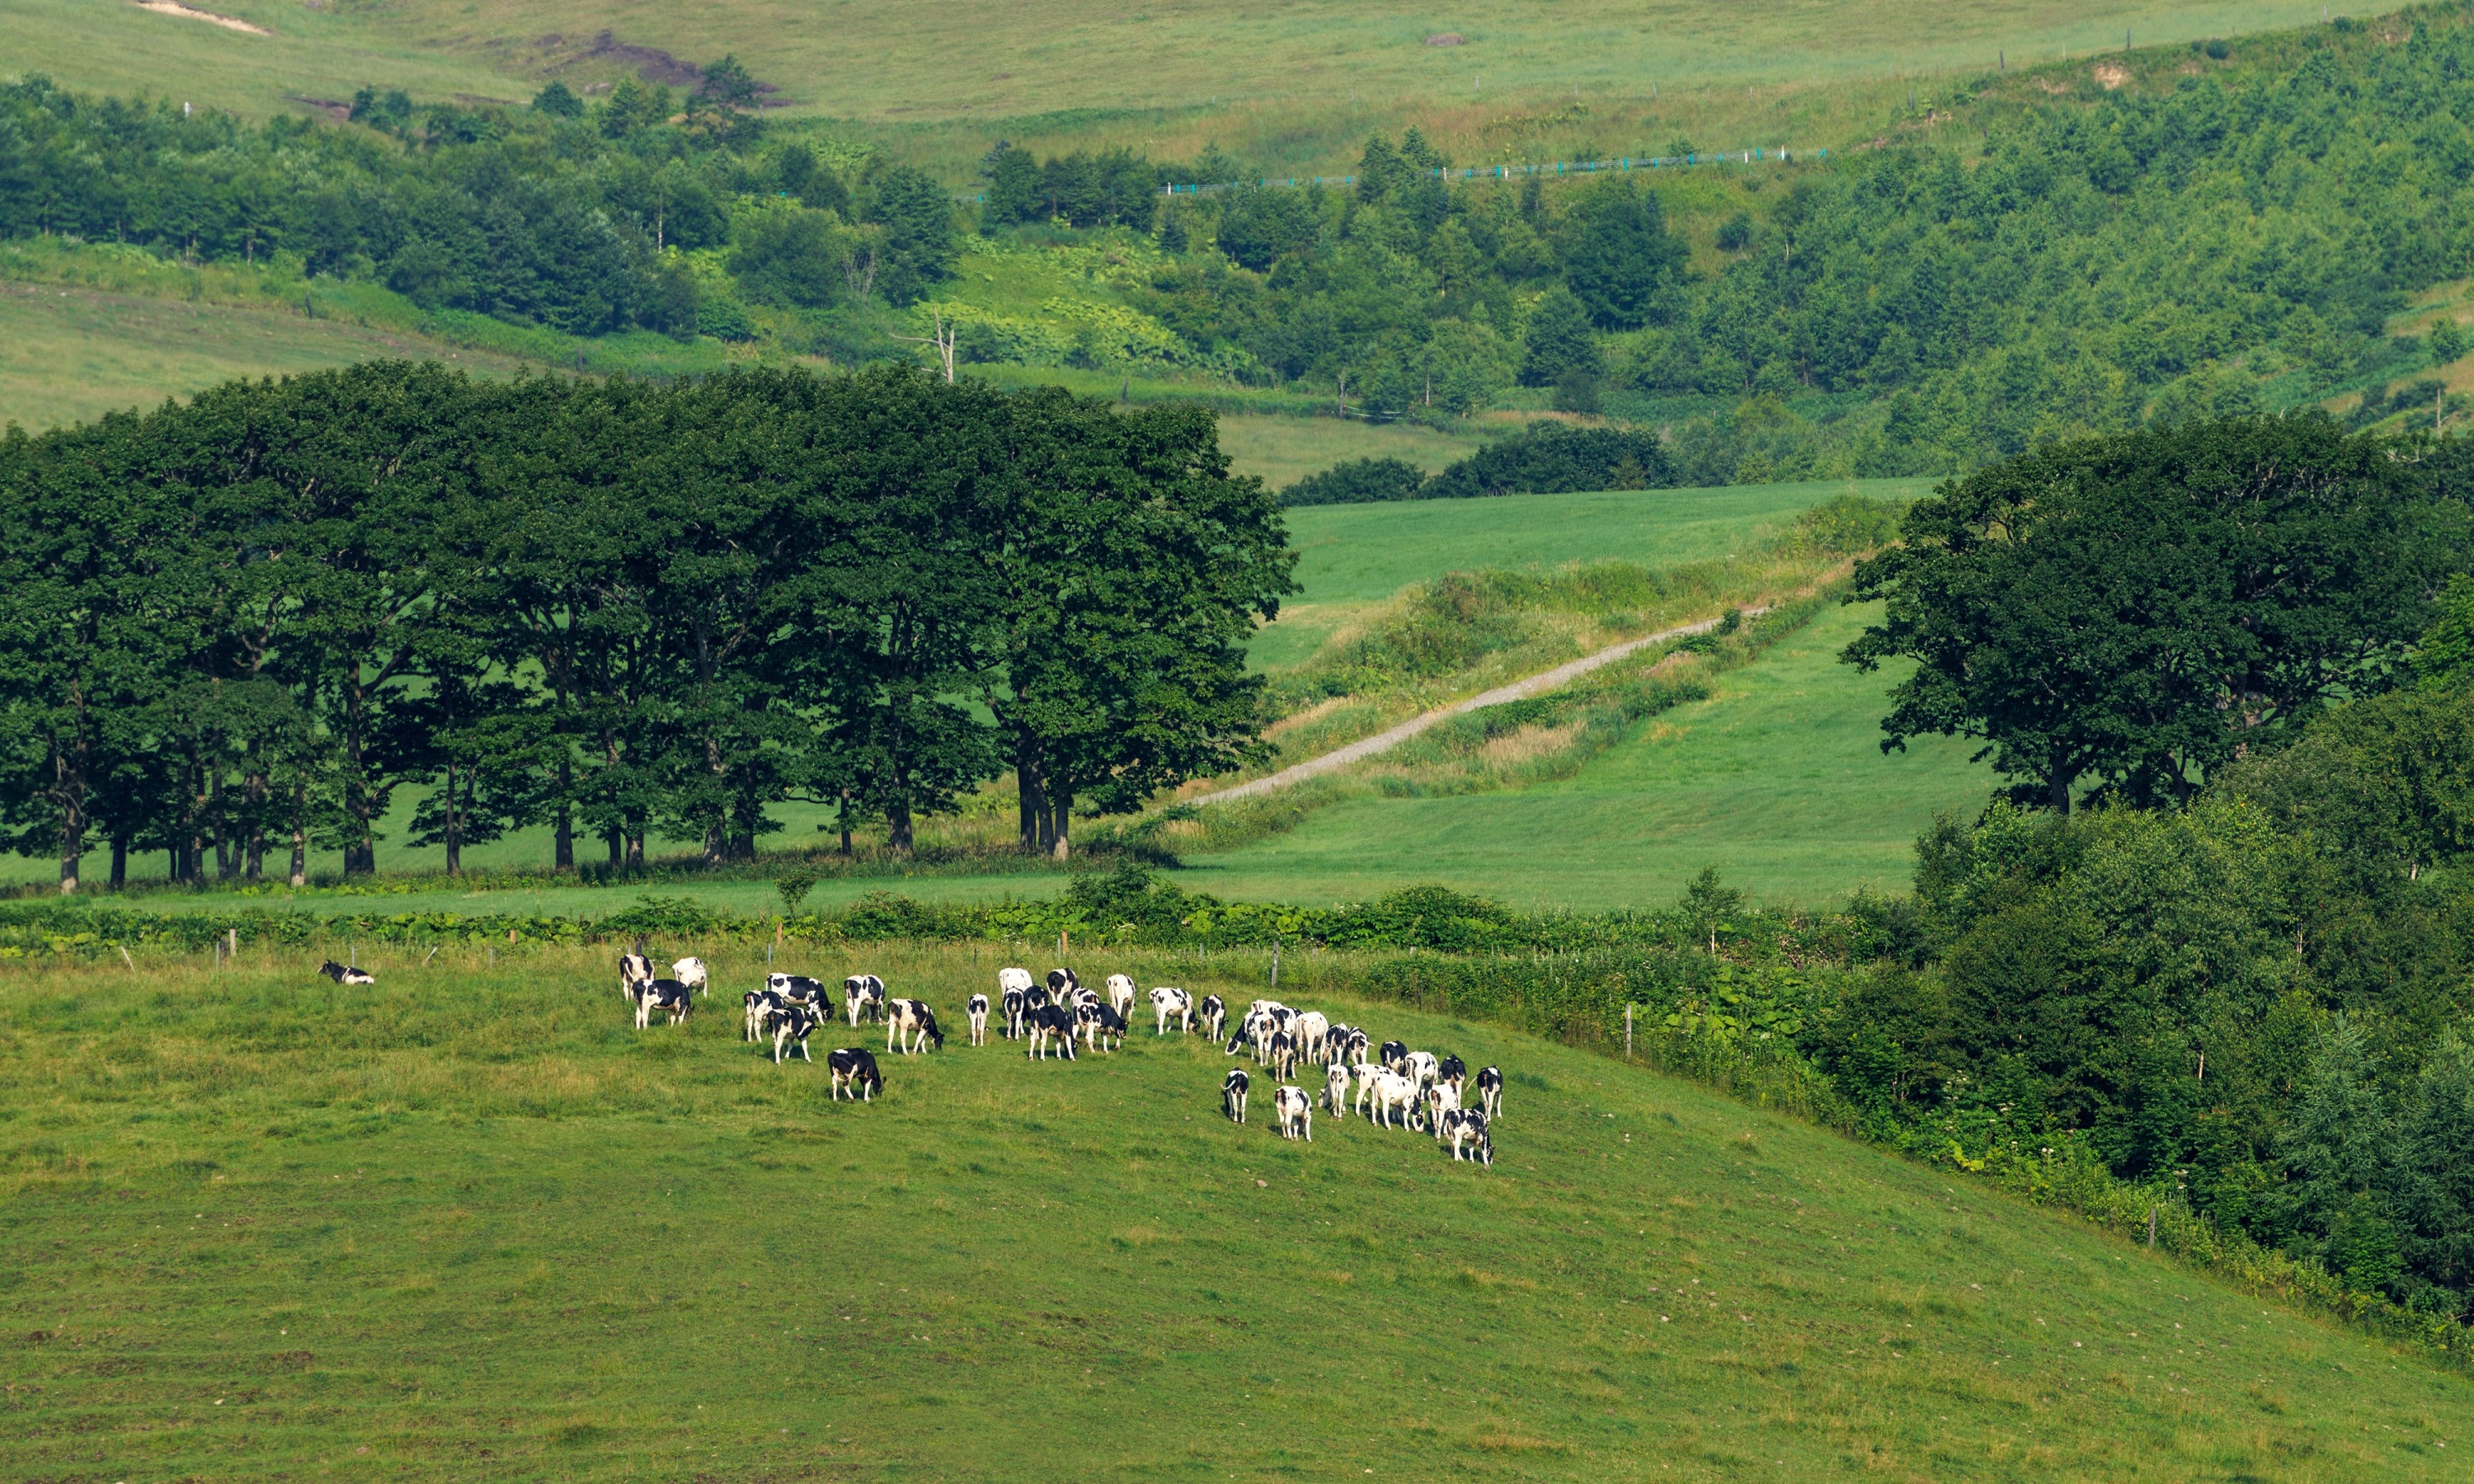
(470, 1225)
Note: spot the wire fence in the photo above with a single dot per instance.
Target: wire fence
(1561, 168)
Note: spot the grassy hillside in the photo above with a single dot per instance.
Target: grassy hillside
(470, 1225)
(1778, 781)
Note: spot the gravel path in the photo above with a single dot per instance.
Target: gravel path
(1518, 690)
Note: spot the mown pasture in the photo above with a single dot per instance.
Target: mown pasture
(1777, 780)
(471, 1224)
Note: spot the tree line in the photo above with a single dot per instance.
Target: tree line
(239, 625)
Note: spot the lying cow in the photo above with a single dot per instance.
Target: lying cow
(345, 974)
(911, 1026)
(854, 1068)
(1295, 1112)
(864, 996)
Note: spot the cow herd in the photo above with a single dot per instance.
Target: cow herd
(1395, 1087)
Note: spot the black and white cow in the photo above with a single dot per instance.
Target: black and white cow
(1103, 1028)
(911, 1026)
(798, 988)
(1232, 1094)
(1121, 993)
(1013, 980)
(1309, 1031)
(1490, 1091)
(1061, 982)
(1015, 1003)
(691, 971)
(633, 969)
(344, 975)
(1036, 998)
(760, 1006)
(1295, 1112)
(864, 996)
(1452, 1069)
(791, 1025)
(1335, 1091)
(1393, 1092)
(1465, 1128)
(854, 1068)
(1213, 1014)
(1393, 1054)
(976, 1008)
(1050, 1027)
(1283, 1054)
(668, 995)
(1173, 1004)
(1443, 1097)
(1420, 1067)
(1352, 1046)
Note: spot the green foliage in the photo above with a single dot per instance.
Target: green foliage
(1357, 481)
(793, 887)
(2445, 656)
(1553, 457)
(1559, 342)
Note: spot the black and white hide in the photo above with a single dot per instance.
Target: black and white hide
(1284, 1054)
(760, 1006)
(1353, 1045)
(1335, 1091)
(863, 997)
(1465, 1130)
(1061, 983)
(1394, 1093)
(1212, 1014)
(342, 974)
(1310, 1031)
(691, 971)
(1013, 980)
(1232, 1094)
(976, 1008)
(1173, 1004)
(1121, 994)
(668, 995)
(633, 969)
(791, 1025)
(1393, 1054)
(798, 989)
(1014, 1004)
(1103, 1028)
(852, 1068)
(1452, 1069)
(1420, 1067)
(1490, 1091)
(1443, 1097)
(911, 1026)
(1050, 1028)
(1295, 1112)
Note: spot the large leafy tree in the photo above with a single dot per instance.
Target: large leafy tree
(2133, 613)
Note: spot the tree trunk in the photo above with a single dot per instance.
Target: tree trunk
(2060, 788)
(454, 824)
(1033, 803)
(635, 847)
(254, 858)
(897, 825)
(361, 852)
(119, 862)
(565, 858)
(618, 839)
(844, 817)
(1061, 805)
(300, 848)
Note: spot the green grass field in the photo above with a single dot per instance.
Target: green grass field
(470, 1225)
(1778, 781)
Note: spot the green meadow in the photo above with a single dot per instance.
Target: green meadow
(471, 1224)
(1777, 780)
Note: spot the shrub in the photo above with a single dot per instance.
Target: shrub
(1552, 458)
(1357, 481)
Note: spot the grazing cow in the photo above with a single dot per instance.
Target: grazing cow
(1284, 1054)
(976, 1008)
(1244, 1036)
(798, 988)
(1232, 1094)
(864, 996)
(1295, 1112)
(1214, 1016)
(1392, 1091)
(1335, 1091)
(1060, 980)
(1443, 1097)
(1013, 980)
(1015, 1003)
(342, 974)
(1173, 1004)
(761, 1006)
(1264, 1007)
(690, 972)
(791, 1025)
(1420, 1067)
(854, 1068)
(1103, 1028)
(1035, 999)
(1452, 1069)
(1352, 1046)
(1466, 1128)
(911, 1026)
(1310, 1031)
(633, 969)
(1393, 1053)
(1050, 1026)
(1121, 993)
(663, 994)
(1490, 1091)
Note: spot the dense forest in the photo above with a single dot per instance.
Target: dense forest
(232, 628)
(2232, 238)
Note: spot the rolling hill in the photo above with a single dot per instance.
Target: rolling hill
(468, 1224)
